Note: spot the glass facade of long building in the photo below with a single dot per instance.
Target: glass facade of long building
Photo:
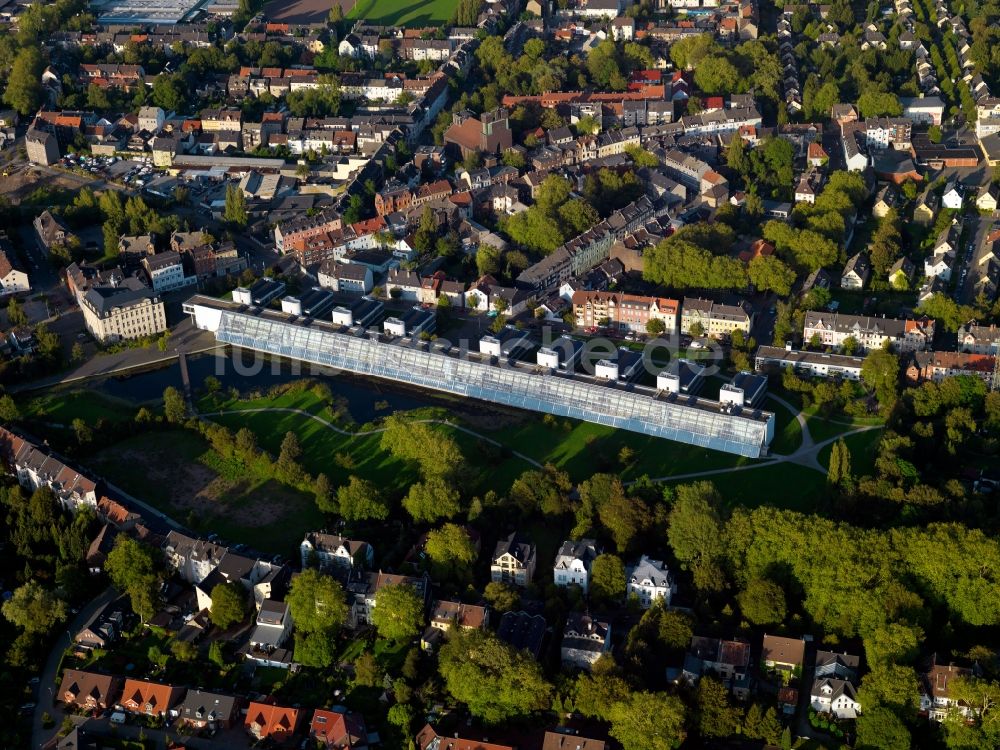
(746, 433)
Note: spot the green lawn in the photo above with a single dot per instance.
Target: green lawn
(780, 485)
(63, 406)
(823, 429)
(340, 456)
(862, 447)
(787, 430)
(403, 13)
(584, 448)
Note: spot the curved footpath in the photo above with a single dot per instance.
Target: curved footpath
(354, 433)
(806, 455)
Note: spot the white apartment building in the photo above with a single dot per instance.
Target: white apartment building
(650, 582)
(130, 310)
(166, 271)
(573, 563)
(832, 329)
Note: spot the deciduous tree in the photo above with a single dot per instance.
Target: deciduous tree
(399, 612)
(496, 681)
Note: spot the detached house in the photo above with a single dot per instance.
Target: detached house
(783, 654)
(729, 661)
(649, 582)
(573, 563)
(835, 697)
(585, 640)
(513, 561)
(856, 272)
(52, 230)
(334, 550)
(833, 689)
(150, 698)
(936, 699)
(445, 614)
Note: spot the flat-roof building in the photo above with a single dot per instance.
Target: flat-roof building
(631, 406)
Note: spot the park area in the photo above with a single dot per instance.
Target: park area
(178, 471)
(377, 12)
(403, 13)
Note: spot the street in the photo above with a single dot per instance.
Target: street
(47, 679)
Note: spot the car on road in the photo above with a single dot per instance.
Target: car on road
(27, 708)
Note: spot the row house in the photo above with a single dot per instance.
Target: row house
(89, 691)
(144, 697)
(627, 312)
(589, 249)
(880, 132)
(979, 339)
(112, 75)
(721, 121)
(221, 119)
(936, 366)
(715, 319)
(438, 50)
(36, 467)
(301, 228)
(904, 335)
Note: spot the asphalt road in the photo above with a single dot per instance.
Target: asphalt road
(47, 679)
(980, 249)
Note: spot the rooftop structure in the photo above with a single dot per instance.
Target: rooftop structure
(624, 406)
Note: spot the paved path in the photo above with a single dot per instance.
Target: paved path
(47, 679)
(184, 337)
(354, 433)
(807, 454)
(807, 438)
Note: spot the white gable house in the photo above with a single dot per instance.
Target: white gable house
(650, 582)
(835, 697)
(573, 563)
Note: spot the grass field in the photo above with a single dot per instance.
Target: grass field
(403, 13)
(62, 407)
(179, 473)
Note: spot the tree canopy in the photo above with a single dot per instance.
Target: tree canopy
(496, 681)
(398, 613)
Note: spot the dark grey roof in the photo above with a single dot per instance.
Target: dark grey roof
(103, 299)
(201, 706)
(522, 631)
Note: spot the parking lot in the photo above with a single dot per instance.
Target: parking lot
(134, 172)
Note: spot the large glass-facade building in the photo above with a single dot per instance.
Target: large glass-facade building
(746, 432)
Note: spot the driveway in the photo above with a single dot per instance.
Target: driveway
(47, 679)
